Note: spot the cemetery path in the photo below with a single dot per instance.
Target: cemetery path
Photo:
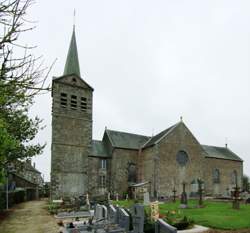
(29, 217)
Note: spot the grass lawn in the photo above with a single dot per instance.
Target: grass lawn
(218, 215)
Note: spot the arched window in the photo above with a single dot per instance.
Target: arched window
(216, 176)
(132, 174)
(234, 177)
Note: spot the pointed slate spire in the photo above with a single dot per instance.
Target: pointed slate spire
(72, 63)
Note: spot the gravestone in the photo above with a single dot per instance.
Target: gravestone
(137, 212)
(163, 227)
(146, 200)
(104, 212)
(123, 220)
(112, 214)
(98, 212)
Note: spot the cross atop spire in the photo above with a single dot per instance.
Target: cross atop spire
(72, 63)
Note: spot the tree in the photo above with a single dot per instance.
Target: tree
(22, 77)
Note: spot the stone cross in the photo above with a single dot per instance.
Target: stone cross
(108, 196)
(87, 201)
(184, 200)
(174, 196)
(236, 197)
(200, 191)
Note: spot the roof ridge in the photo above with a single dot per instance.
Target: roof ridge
(118, 131)
(168, 131)
(107, 131)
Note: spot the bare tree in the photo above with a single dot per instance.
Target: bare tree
(22, 76)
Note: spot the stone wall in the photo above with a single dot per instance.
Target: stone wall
(164, 171)
(95, 171)
(121, 158)
(226, 168)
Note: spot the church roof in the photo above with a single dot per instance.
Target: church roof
(155, 139)
(72, 62)
(98, 149)
(220, 153)
(126, 140)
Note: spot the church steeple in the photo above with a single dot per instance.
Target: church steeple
(72, 63)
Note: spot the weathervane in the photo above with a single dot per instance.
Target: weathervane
(74, 18)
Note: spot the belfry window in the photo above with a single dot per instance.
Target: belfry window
(216, 176)
(83, 104)
(73, 102)
(102, 181)
(63, 100)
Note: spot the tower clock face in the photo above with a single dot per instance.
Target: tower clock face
(182, 158)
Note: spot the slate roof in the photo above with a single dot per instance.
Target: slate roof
(98, 149)
(72, 63)
(220, 153)
(154, 140)
(126, 140)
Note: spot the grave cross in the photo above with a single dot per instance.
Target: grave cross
(236, 197)
(200, 191)
(184, 194)
(174, 196)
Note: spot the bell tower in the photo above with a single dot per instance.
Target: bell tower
(71, 129)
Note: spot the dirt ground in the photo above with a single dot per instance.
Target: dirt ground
(29, 217)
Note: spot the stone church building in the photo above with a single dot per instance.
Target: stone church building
(81, 165)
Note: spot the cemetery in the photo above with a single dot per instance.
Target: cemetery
(175, 214)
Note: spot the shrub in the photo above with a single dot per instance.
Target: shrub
(175, 219)
(53, 208)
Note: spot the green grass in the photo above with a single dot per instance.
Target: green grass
(218, 215)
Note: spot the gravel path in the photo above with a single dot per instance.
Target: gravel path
(29, 217)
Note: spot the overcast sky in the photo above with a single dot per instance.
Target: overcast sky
(151, 62)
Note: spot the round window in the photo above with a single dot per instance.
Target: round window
(182, 157)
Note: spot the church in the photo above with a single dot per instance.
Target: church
(122, 160)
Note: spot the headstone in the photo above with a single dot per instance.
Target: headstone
(123, 220)
(117, 197)
(104, 212)
(98, 212)
(108, 196)
(137, 212)
(113, 215)
(154, 206)
(163, 227)
(146, 200)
